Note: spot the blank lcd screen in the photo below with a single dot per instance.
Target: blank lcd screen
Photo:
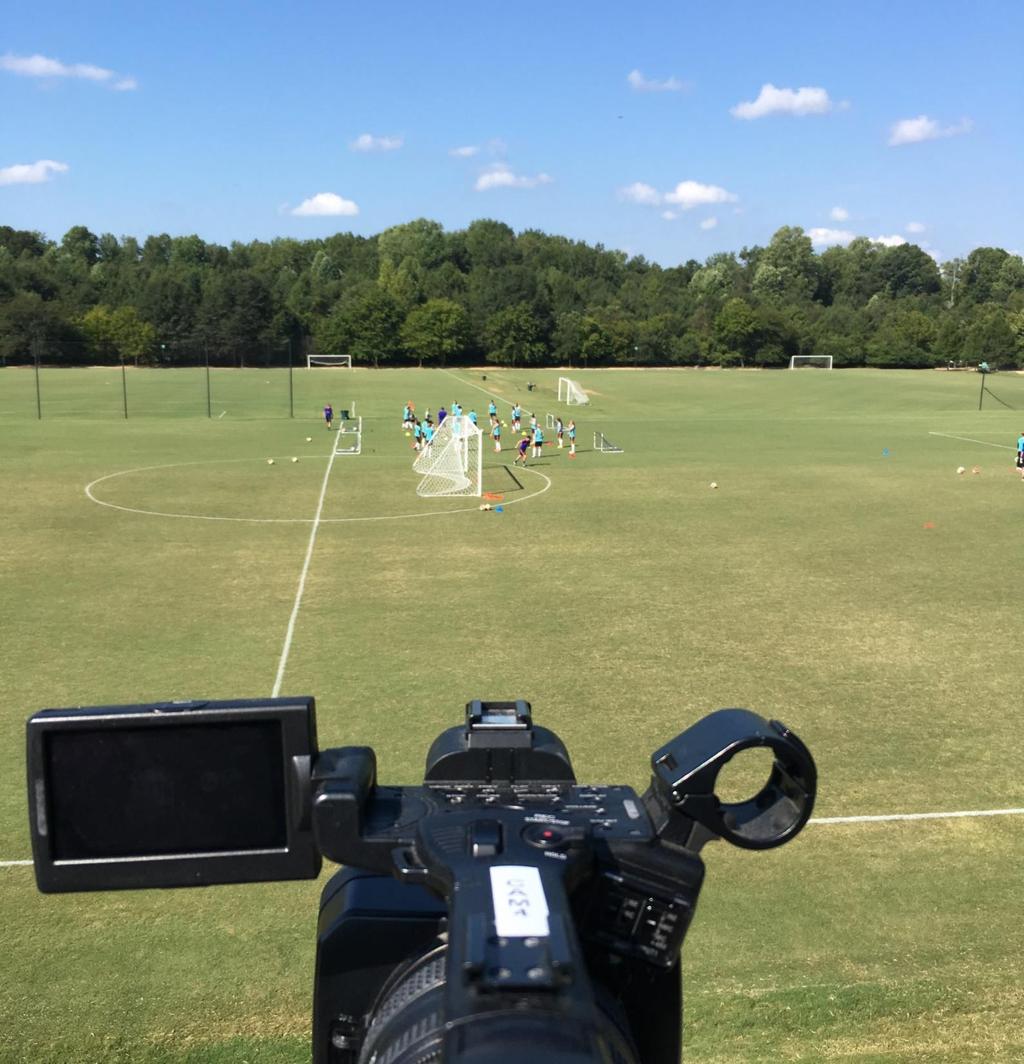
(156, 791)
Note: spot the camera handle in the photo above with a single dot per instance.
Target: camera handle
(681, 800)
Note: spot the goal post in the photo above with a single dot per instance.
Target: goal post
(571, 392)
(810, 362)
(453, 463)
(329, 360)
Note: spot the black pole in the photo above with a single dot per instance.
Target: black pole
(981, 394)
(291, 385)
(124, 388)
(206, 351)
(39, 401)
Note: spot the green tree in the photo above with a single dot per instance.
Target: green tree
(513, 337)
(735, 332)
(439, 329)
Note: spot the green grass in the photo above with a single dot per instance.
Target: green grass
(869, 600)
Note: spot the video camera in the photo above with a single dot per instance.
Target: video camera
(500, 911)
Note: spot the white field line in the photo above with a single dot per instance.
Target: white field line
(281, 520)
(469, 384)
(826, 820)
(302, 576)
(967, 439)
(882, 818)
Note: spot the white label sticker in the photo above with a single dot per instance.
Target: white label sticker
(520, 907)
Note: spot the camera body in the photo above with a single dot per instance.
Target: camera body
(496, 911)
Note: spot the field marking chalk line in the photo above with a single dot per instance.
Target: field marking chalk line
(825, 820)
(286, 649)
(967, 439)
(279, 520)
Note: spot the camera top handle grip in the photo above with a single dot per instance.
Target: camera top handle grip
(682, 799)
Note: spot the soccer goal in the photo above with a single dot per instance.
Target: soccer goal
(348, 440)
(602, 443)
(571, 392)
(453, 463)
(328, 360)
(549, 422)
(810, 362)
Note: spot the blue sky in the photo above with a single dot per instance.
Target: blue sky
(646, 128)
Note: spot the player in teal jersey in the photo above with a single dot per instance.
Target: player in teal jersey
(496, 434)
(492, 409)
(472, 416)
(428, 434)
(517, 417)
(538, 440)
(1020, 454)
(572, 437)
(417, 432)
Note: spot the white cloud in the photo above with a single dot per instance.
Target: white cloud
(821, 237)
(31, 173)
(914, 130)
(914, 227)
(839, 214)
(638, 192)
(690, 194)
(368, 142)
(892, 241)
(669, 216)
(639, 83)
(325, 204)
(499, 175)
(41, 66)
(709, 223)
(466, 152)
(804, 101)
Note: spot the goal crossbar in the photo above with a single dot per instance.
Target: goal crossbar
(328, 360)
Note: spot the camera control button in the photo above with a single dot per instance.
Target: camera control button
(544, 837)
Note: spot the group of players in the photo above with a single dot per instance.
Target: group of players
(422, 429)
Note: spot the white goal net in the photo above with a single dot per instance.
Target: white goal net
(571, 392)
(602, 443)
(328, 360)
(453, 463)
(810, 362)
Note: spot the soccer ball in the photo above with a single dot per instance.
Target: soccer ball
(485, 506)
(309, 439)
(407, 435)
(505, 424)
(295, 459)
(961, 470)
(712, 485)
(270, 461)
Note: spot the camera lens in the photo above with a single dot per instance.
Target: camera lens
(408, 1025)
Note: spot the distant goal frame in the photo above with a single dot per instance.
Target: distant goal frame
(572, 392)
(810, 362)
(345, 361)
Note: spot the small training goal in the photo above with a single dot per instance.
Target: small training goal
(602, 443)
(328, 360)
(452, 464)
(810, 362)
(571, 392)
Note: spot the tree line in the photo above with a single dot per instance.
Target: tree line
(418, 294)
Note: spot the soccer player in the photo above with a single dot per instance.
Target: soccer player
(472, 416)
(538, 440)
(428, 435)
(521, 448)
(329, 415)
(559, 430)
(441, 415)
(492, 409)
(456, 409)
(407, 417)
(1020, 454)
(496, 434)
(417, 431)
(517, 417)
(572, 437)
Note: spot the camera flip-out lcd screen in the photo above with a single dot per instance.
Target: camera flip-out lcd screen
(172, 794)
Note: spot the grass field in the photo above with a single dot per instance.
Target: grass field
(842, 578)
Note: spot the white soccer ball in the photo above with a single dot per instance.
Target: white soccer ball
(712, 485)
(309, 439)
(270, 461)
(295, 459)
(961, 470)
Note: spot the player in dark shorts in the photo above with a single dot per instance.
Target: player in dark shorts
(521, 449)
(329, 415)
(1020, 454)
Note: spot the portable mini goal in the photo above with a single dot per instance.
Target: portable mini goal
(452, 464)
(605, 445)
(329, 360)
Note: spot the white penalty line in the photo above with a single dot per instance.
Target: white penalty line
(302, 576)
(967, 439)
(885, 817)
(880, 819)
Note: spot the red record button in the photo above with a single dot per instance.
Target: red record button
(544, 837)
